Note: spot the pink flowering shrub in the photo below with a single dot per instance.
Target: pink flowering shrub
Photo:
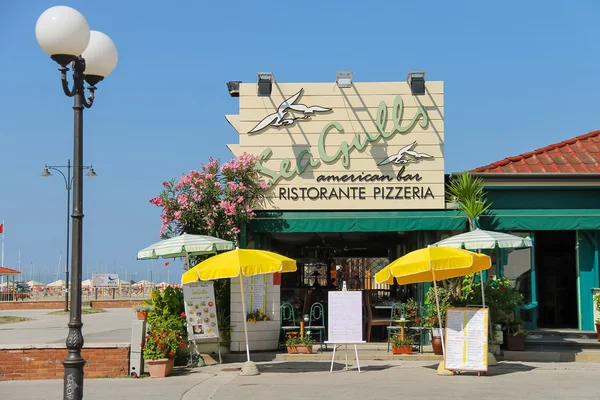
(213, 201)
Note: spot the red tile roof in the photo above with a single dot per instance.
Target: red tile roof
(7, 271)
(578, 155)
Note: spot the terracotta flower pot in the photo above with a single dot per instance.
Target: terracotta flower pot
(170, 366)
(436, 343)
(401, 349)
(598, 331)
(515, 343)
(141, 315)
(292, 350)
(299, 349)
(161, 367)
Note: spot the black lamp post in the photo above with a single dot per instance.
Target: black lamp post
(68, 185)
(64, 34)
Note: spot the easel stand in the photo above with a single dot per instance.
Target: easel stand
(336, 345)
(195, 351)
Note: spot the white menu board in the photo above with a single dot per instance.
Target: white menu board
(467, 339)
(344, 323)
(255, 291)
(200, 310)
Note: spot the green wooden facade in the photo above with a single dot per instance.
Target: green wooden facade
(551, 206)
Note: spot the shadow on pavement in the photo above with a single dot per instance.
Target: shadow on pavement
(314, 366)
(500, 369)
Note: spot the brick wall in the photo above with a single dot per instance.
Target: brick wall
(115, 303)
(32, 305)
(45, 362)
(59, 305)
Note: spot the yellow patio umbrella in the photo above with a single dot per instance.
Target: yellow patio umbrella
(433, 264)
(240, 262)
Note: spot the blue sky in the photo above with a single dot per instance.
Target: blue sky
(518, 76)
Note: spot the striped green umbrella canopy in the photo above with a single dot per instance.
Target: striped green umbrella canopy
(480, 239)
(184, 246)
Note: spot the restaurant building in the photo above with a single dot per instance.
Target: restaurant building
(357, 180)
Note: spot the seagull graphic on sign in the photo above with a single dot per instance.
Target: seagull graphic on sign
(406, 155)
(282, 117)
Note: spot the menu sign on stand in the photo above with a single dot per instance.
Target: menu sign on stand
(345, 322)
(200, 310)
(467, 339)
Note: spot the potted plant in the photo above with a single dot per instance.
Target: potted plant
(160, 349)
(168, 314)
(142, 311)
(515, 338)
(597, 302)
(257, 316)
(297, 345)
(402, 345)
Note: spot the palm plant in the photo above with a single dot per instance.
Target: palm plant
(467, 191)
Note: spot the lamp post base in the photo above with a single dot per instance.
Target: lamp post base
(249, 369)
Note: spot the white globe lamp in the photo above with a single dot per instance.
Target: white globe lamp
(63, 33)
(100, 57)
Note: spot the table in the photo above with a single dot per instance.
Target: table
(383, 307)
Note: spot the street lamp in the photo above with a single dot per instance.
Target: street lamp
(68, 185)
(64, 34)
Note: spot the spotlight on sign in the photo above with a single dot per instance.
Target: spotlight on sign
(234, 88)
(265, 83)
(343, 79)
(416, 81)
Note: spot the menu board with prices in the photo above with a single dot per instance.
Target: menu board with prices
(345, 317)
(200, 310)
(255, 291)
(467, 339)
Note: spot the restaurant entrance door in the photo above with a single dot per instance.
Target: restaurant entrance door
(556, 266)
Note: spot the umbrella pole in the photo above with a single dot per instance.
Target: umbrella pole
(437, 303)
(482, 288)
(249, 368)
(244, 316)
(441, 369)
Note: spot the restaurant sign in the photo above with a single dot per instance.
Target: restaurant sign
(372, 146)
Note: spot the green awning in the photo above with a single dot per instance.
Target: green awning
(446, 220)
(357, 221)
(541, 220)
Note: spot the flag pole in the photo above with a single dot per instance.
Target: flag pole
(2, 264)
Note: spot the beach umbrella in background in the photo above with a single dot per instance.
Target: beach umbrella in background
(185, 245)
(56, 284)
(480, 239)
(240, 263)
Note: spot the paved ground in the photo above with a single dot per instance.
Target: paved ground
(113, 326)
(310, 380)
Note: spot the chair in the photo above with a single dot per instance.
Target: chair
(287, 319)
(317, 317)
(371, 322)
(398, 309)
(420, 332)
